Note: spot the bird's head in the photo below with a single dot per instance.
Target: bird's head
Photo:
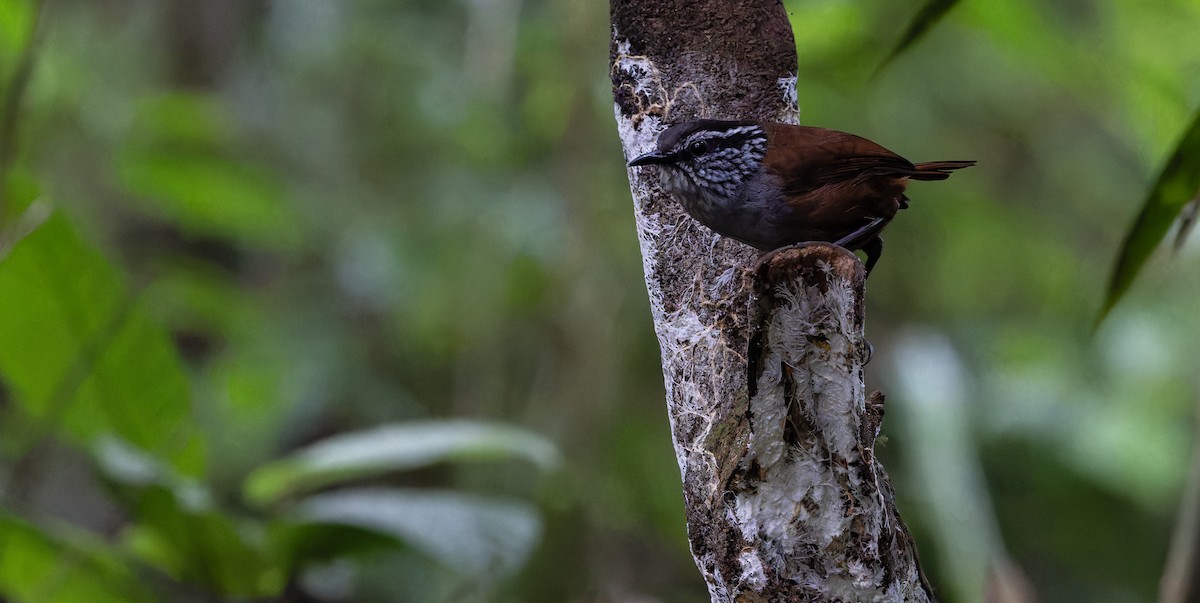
(708, 156)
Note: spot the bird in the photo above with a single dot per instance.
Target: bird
(772, 185)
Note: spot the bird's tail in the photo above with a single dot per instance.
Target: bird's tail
(938, 170)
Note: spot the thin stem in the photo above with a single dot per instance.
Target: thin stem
(63, 395)
(10, 105)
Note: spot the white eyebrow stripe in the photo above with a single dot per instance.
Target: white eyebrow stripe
(742, 130)
(722, 135)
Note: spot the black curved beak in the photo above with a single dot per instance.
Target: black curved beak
(652, 158)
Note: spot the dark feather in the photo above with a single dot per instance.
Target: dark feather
(938, 170)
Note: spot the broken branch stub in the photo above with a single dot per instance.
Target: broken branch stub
(811, 506)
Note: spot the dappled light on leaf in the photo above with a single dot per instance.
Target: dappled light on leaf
(396, 448)
(471, 535)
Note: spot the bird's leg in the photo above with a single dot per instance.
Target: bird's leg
(865, 233)
(867, 239)
(873, 248)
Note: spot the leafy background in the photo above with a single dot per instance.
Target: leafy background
(320, 301)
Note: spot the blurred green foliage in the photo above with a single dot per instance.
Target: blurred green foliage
(279, 281)
(930, 13)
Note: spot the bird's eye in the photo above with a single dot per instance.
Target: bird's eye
(697, 149)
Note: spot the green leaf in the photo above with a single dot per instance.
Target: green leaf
(181, 163)
(296, 544)
(135, 470)
(43, 568)
(201, 546)
(16, 27)
(179, 529)
(204, 192)
(20, 191)
(931, 12)
(396, 448)
(1177, 184)
(78, 350)
(183, 120)
(468, 534)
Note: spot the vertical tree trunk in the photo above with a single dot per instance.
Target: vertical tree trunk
(764, 372)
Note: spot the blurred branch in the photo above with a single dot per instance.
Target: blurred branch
(491, 40)
(206, 36)
(10, 105)
(43, 427)
(1181, 578)
(1007, 583)
(943, 454)
(1187, 221)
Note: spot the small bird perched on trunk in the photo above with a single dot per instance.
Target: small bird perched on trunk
(771, 185)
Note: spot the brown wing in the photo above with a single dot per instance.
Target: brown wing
(840, 185)
(807, 158)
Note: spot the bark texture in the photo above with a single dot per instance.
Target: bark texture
(763, 371)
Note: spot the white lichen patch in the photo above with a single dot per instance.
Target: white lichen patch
(804, 316)
(753, 575)
(791, 100)
(684, 338)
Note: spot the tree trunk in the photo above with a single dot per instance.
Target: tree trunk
(763, 371)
